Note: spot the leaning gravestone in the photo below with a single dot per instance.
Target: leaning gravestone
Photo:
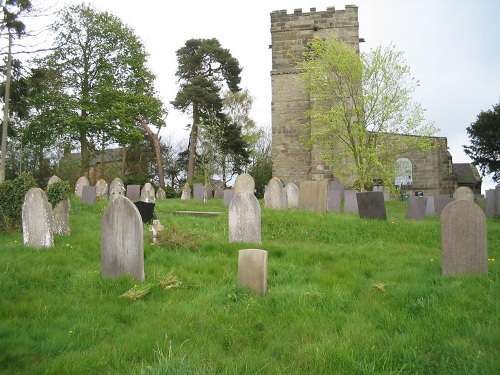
(122, 245)
(463, 239)
(252, 270)
(333, 200)
(186, 192)
(371, 205)
(463, 193)
(116, 182)
(88, 194)
(244, 182)
(350, 202)
(416, 209)
(160, 193)
(148, 193)
(198, 191)
(313, 195)
(292, 195)
(228, 195)
(37, 219)
(245, 218)
(133, 192)
(275, 195)
(82, 181)
(101, 190)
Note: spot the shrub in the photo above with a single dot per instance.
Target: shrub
(58, 191)
(12, 194)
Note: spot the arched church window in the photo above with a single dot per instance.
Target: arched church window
(404, 173)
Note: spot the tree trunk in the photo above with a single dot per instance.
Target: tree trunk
(84, 145)
(156, 145)
(3, 159)
(193, 139)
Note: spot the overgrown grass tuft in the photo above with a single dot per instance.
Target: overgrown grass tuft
(346, 296)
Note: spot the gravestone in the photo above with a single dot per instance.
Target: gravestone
(82, 181)
(186, 192)
(463, 193)
(198, 191)
(60, 218)
(245, 218)
(219, 192)
(133, 192)
(464, 246)
(101, 190)
(490, 202)
(371, 205)
(350, 202)
(146, 210)
(337, 186)
(244, 182)
(88, 194)
(37, 219)
(313, 195)
(275, 195)
(333, 200)
(481, 202)
(440, 202)
(292, 195)
(52, 180)
(116, 189)
(116, 182)
(148, 193)
(122, 245)
(160, 193)
(429, 207)
(416, 209)
(252, 269)
(228, 195)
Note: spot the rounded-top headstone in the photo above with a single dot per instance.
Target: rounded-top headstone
(292, 195)
(148, 193)
(464, 193)
(186, 192)
(245, 218)
(160, 193)
(37, 219)
(244, 182)
(101, 189)
(53, 180)
(82, 181)
(275, 195)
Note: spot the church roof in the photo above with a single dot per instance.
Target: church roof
(466, 173)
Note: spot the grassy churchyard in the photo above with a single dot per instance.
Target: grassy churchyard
(345, 296)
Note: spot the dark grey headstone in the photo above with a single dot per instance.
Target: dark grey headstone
(252, 269)
(416, 208)
(292, 195)
(245, 218)
(490, 202)
(198, 191)
(440, 203)
(429, 207)
(337, 186)
(371, 205)
(313, 195)
(350, 202)
(122, 245)
(463, 239)
(37, 219)
(228, 195)
(133, 192)
(146, 210)
(333, 200)
(88, 194)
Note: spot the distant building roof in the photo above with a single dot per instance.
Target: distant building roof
(466, 173)
(114, 154)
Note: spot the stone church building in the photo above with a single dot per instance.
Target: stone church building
(432, 173)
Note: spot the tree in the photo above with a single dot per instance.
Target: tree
(204, 69)
(484, 136)
(261, 165)
(361, 107)
(100, 89)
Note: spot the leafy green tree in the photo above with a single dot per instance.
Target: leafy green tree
(204, 69)
(361, 106)
(97, 84)
(261, 165)
(484, 137)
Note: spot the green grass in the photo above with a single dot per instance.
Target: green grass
(346, 296)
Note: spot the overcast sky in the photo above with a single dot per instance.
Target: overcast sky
(452, 47)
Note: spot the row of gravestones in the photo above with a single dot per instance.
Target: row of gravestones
(101, 191)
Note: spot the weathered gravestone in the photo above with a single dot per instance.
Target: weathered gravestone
(101, 190)
(228, 195)
(292, 195)
(112, 186)
(429, 207)
(371, 205)
(252, 269)
(88, 194)
(60, 213)
(116, 190)
(37, 219)
(333, 200)
(416, 208)
(245, 218)
(244, 182)
(313, 195)
(82, 181)
(275, 195)
(463, 239)
(490, 202)
(463, 193)
(219, 192)
(337, 186)
(148, 193)
(133, 192)
(186, 192)
(122, 246)
(350, 202)
(52, 180)
(160, 193)
(198, 191)
(440, 202)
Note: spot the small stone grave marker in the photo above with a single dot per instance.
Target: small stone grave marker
(333, 200)
(88, 194)
(122, 244)
(440, 202)
(37, 219)
(52, 180)
(186, 192)
(228, 195)
(463, 239)
(101, 190)
(198, 191)
(416, 208)
(292, 195)
(350, 202)
(429, 207)
(60, 218)
(371, 205)
(252, 269)
(244, 182)
(275, 195)
(463, 193)
(116, 182)
(245, 218)
(160, 193)
(148, 193)
(116, 190)
(313, 195)
(82, 181)
(133, 192)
